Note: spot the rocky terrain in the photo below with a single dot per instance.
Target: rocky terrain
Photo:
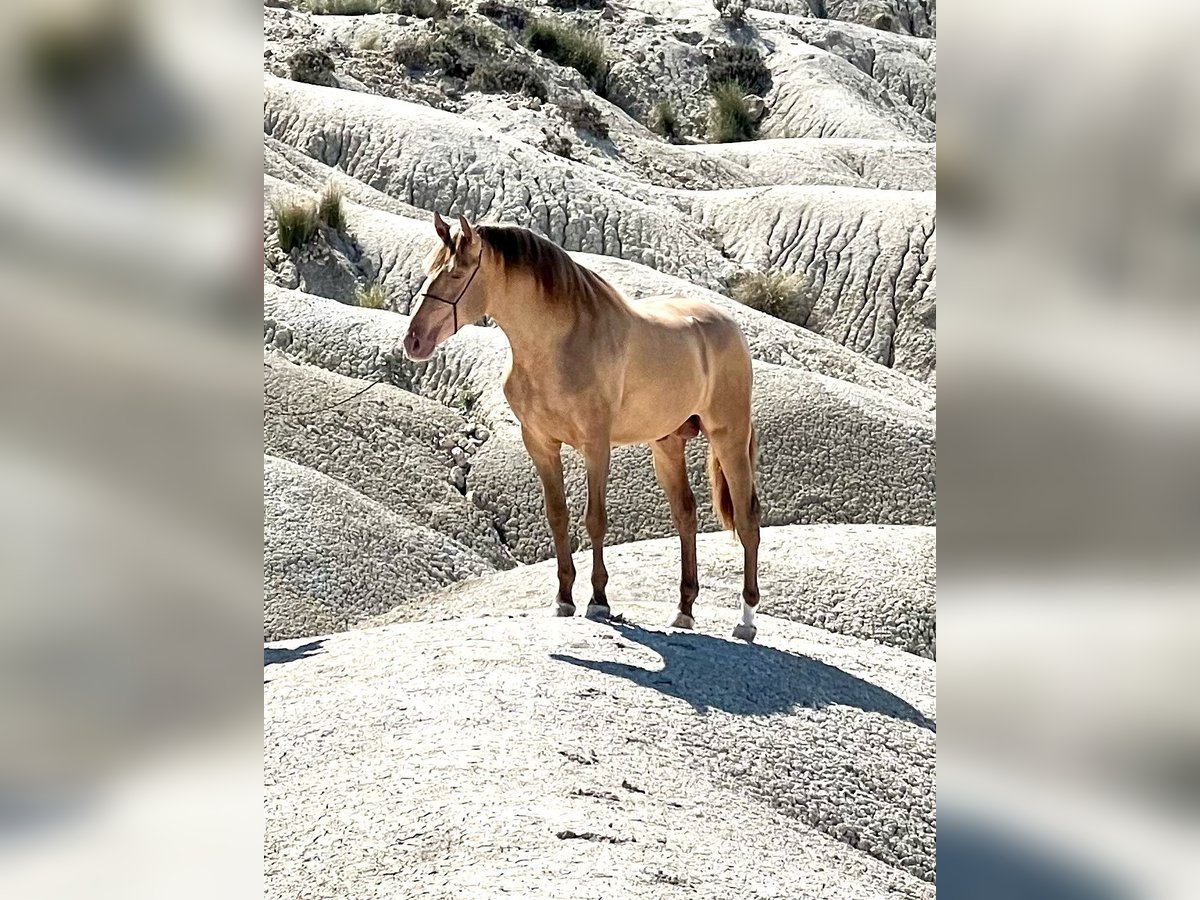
(430, 730)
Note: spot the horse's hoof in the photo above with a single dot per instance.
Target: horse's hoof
(745, 633)
(564, 610)
(598, 611)
(683, 620)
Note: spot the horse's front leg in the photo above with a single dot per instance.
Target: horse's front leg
(596, 459)
(547, 459)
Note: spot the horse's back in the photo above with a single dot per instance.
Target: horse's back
(707, 320)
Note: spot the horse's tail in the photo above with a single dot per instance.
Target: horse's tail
(721, 498)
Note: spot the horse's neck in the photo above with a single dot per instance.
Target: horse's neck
(532, 322)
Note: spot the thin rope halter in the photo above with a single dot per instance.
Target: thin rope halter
(453, 304)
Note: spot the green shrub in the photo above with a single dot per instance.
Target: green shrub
(295, 223)
(744, 65)
(455, 48)
(465, 400)
(373, 296)
(312, 66)
(729, 117)
(459, 48)
(732, 11)
(369, 40)
(512, 16)
(664, 121)
(344, 7)
(557, 144)
(418, 9)
(412, 52)
(577, 4)
(507, 75)
(468, 36)
(775, 293)
(584, 116)
(329, 207)
(570, 46)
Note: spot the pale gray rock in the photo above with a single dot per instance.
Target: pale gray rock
(383, 445)
(332, 557)
(438, 160)
(916, 17)
(875, 582)
(838, 162)
(542, 757)
(868, 259)
(902, 65)
(820, 94)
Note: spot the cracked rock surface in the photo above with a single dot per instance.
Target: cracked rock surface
(332, 556)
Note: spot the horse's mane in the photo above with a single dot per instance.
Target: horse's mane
(561, 279)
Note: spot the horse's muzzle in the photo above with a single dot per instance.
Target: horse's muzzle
(418, 348)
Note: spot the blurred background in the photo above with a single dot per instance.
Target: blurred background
(130, 448)
(1069, 462)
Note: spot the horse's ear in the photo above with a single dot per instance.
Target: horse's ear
(467, 232)
(443, 230)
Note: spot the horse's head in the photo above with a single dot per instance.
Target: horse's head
(453, 294)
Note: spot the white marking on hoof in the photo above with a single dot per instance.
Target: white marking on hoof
(683, 620)
(596, 611)
(745, 633)
(746, 630)
(564, 610)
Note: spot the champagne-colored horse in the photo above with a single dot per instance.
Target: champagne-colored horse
(593, 371)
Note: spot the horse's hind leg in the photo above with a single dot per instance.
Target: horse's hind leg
(733, 447)
(670, 468)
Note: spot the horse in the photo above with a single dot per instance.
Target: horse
(593, 371)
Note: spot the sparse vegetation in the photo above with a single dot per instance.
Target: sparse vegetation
(512, 16)
(312, 66)
(584, 116)
(344, 7)
(465, 400)
(418, 9)
(557, 144)
(455, 48)
(569, 46)
(373, 296)
(412, 52)
(665, 121)
(295, 222)
(369, 40)
(775, 293)
(729, 117)
(732, 11)
(329, 207)
(743, 65)
(513, 75)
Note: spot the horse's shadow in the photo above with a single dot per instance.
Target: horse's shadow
(746, 679)
(273, 656)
